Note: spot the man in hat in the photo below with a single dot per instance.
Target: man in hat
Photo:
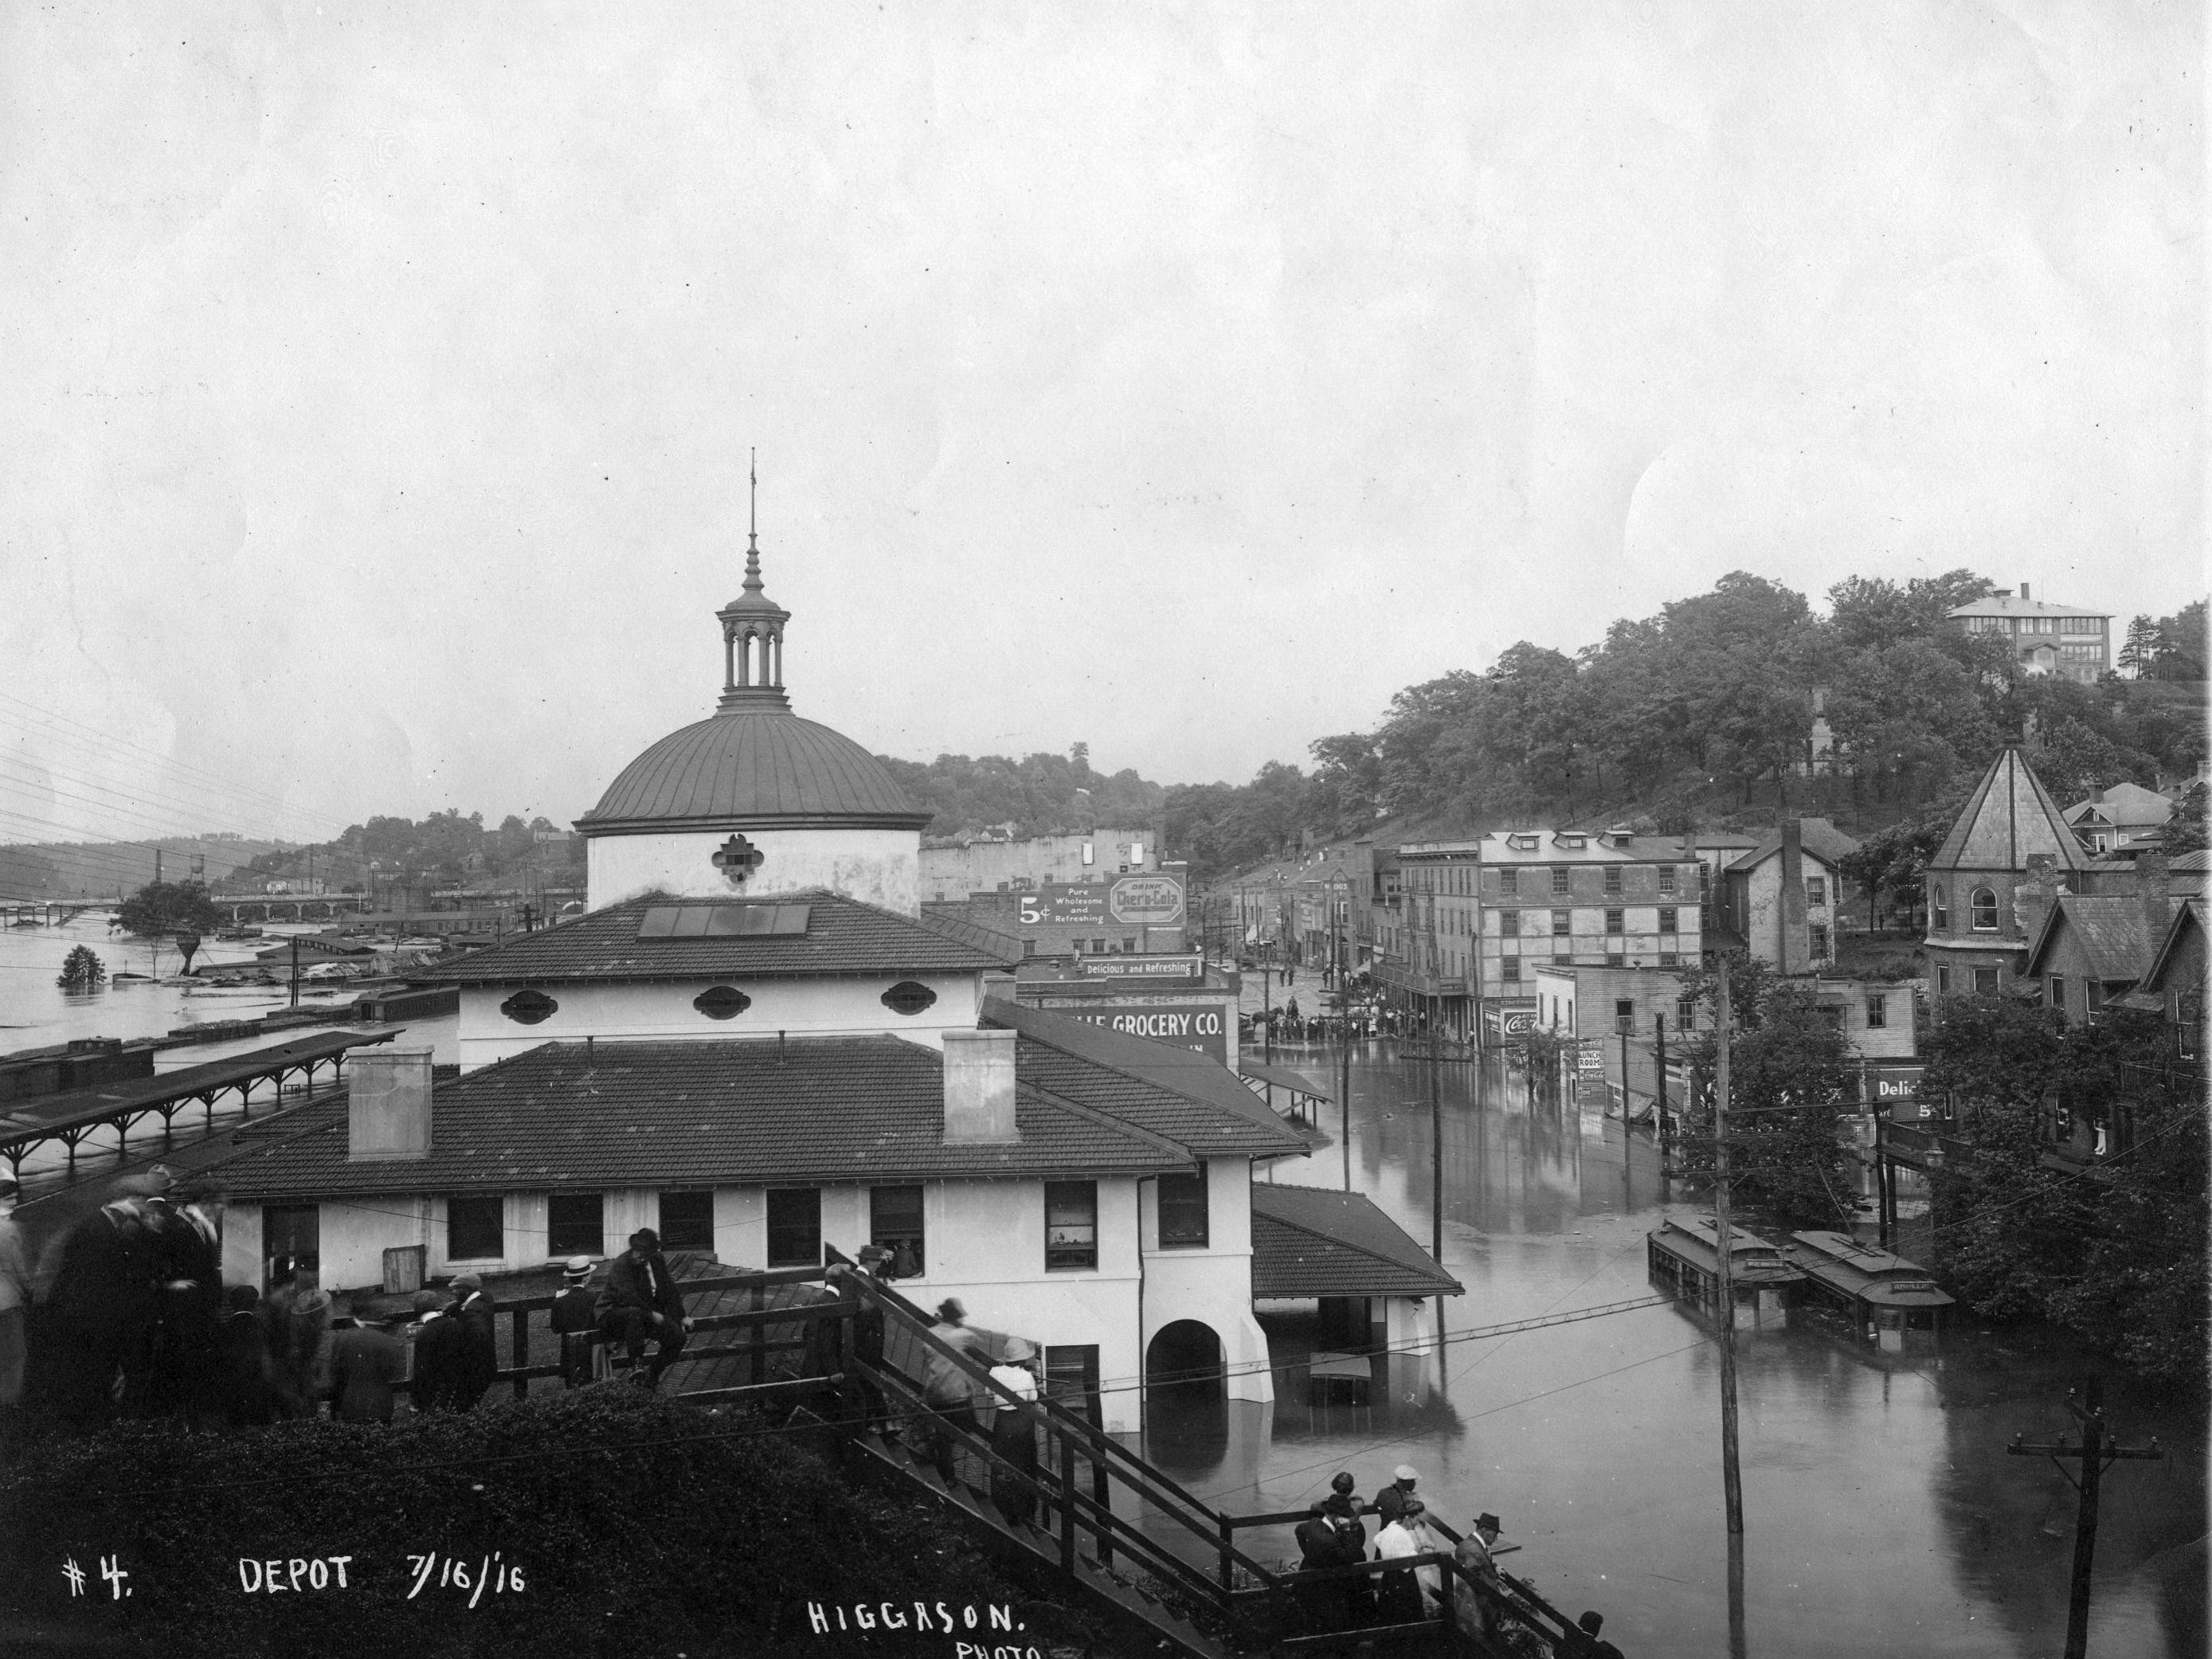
(1476, 1586)
(1013, 1435)
(98, 1314)
(875, 1264)
(643, 1304)
(14, 1306)
(1593, 1645)
(187, 1267)
(439, 1368)
(1391, 1500)
(366, 1359)
(473, 1309)
(576, 1320)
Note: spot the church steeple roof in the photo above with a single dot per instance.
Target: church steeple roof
(752, 632)
(2010, 817)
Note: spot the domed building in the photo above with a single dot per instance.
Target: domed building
(753, 799)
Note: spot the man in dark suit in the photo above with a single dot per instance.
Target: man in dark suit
(440, 1362)
(642, 1303)
(480, 1347)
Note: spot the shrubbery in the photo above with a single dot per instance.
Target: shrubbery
(641, 1525)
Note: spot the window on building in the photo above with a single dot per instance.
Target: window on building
(1508, 968)
(1669, 959)
(1668, 916)
(1938, 908)
(1097, 947)
(1666, 878)
(1985, 913)
(1070, 1224)
(687, 1221)
(794, 1226)
(1985, 981)
(2093, 990)
(1816, 936)
(1509, 881)
(1129, 945)
(1509, 924)
(476, 1227)
(2056, 985)
(1559, 878)
(1877, 1006)
(1942, 982)
(573, 1225)
(1561, 958)
(1613, 919)
(1624, 1014)
(1612, 879)
(1686, 1014)
(1563, 923)
(1183, 1212)
(1816, 891)
(1071, 1379)
(1029, 947)
(895, 1224)
(291, 1237)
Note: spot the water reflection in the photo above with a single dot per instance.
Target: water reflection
(1883, 1513)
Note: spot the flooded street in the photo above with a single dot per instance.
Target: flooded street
(36, 1013)
(1883, 1513)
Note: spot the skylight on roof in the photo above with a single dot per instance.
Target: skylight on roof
(722, 921)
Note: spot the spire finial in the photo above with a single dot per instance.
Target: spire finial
(753, 584)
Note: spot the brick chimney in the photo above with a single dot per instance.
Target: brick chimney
(1795, 954)
(387, 1104)
(998, 985)
(2151, 884)
(2023, 590)
(979, 1088)
(2033, 897)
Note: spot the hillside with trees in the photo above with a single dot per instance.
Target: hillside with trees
(1038, 795)
(1707, 713)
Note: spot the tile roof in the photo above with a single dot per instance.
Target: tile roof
(2009, 816)
(722, 1112)
(2187, 918)
(1178, 1092)
(2114, 933)
(1308, 1241)
(842, 936)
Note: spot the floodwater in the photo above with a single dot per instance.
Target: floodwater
(36, 1013)
(1881, 1511)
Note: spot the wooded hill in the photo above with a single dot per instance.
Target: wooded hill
(1703, 716)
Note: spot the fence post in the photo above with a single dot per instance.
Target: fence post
(521, 1317)
(1066, 1503)
(756, 1300)
(1228, 1542)
(1102, 1486)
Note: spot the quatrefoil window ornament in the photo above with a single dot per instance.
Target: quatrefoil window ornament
(737, 859)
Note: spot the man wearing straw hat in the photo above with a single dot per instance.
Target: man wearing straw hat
(576, 1320)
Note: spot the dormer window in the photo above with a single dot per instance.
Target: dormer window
(1574, 842)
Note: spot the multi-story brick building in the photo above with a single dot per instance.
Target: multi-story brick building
(1481, 913)
(2046, 639)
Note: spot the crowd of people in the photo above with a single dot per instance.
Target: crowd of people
(1333, 1536)
(127, 1316)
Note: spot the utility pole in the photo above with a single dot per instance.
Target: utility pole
(1436, 1152)
(295, 970)
(1659, 1047)
(1731, 1475)
(2096, 1455)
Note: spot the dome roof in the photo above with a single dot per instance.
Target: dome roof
(753, 766)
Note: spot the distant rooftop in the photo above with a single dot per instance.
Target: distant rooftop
(2009, 604)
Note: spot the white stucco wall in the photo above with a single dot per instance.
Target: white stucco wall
(877, 867)
(1212, 1285)
(661, 1011)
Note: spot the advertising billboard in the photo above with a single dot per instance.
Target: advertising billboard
(1124, 901)
(1151, 968)
(1183, 1025)
(1509, 1022)
(1894, 1090)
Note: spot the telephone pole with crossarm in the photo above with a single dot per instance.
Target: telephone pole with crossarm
(2095, 1455)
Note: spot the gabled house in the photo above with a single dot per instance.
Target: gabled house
(2113, 817)
(2092, 950)
(2010, 835)
(1784, 896)
(2175, 986)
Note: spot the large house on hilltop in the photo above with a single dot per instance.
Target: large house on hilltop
(754, 1042)
(2046, 639)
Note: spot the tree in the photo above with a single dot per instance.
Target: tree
(2184, 832)
(169, 907)
(82, 970)
(2181, 653)
(1890, 866)
(2140, 649)
(1789, 1077)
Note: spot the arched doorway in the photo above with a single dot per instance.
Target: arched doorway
(1186, 1398)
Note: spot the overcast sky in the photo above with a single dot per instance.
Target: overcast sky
(1181, 380)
